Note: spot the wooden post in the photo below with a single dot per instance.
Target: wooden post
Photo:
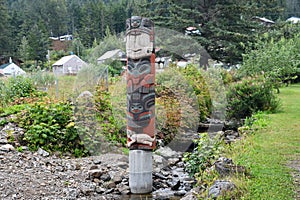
(140, 78)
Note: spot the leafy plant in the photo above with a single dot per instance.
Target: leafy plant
(206, 152)
(278, 60)
(257, 120)
(108, 123)
(15, 88)
(249, 96)
(50, 125)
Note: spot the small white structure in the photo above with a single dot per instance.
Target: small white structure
(68, 65)
(263, 20)
(116, 54)
(62, 38)
(11, 69)
(294, 20)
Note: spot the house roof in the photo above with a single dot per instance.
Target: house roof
(110, 54)
(4, 65)
(293, 19)
(264, 20)
(65, 59)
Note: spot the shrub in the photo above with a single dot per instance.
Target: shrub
(249, 96)
(197, 81)
(16, 88)
(109, 125)
(204, 155)
(176, 104)
(50, 125)
(276, 59)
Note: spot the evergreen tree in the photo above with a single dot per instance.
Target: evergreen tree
(168, 14)
(91, 22)
(24, 50)
(38, 43)
(5, 36)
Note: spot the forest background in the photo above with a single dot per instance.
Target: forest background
(227, 27)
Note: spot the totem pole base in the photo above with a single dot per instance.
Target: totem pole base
(140, 171)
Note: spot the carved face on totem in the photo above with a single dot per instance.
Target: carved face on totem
(139, 73)
(139, 37)
(141, 106)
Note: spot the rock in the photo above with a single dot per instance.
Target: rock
(43, 152)
(159, 175)
(3, 141)
(180, 193)
(95, 173)
(220, 187)
(117, 179)
(97, 161)
(173, 161)
(94, 167)
(167, 152)
(176, 185)
(100, 190)
(7, 147)
(123, 189)
(163, 194)
(105, 177)
(189, 196)
(108, 191)
(71, 193)
(87, 188)
(123, 165)
(225, 167)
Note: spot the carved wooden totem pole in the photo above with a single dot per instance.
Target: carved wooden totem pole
(140, 102)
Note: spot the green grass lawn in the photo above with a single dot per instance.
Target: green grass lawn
(268, 151)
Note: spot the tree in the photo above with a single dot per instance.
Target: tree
(54, 17)
(226, 27)
(276, 60)
(38, 44)
(5, 47)
(91, 22)
(24, 50)
(168, 14)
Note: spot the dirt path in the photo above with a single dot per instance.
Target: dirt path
(295, 165)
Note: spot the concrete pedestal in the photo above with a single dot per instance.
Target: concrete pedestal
(140, 171)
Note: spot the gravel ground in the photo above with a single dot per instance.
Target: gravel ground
(29, 175)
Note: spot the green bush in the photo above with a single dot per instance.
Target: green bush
(177, 106)
(109, 125)
(199, 84)
(277, 59)
(16, 88)
(51, 126)
(250, 95)
(204, 155)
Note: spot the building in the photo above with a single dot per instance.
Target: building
(116, 54)
(293, 20)
(263, 21)
(11, 69)
(68, 65)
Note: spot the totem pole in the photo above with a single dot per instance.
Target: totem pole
(140, 102)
